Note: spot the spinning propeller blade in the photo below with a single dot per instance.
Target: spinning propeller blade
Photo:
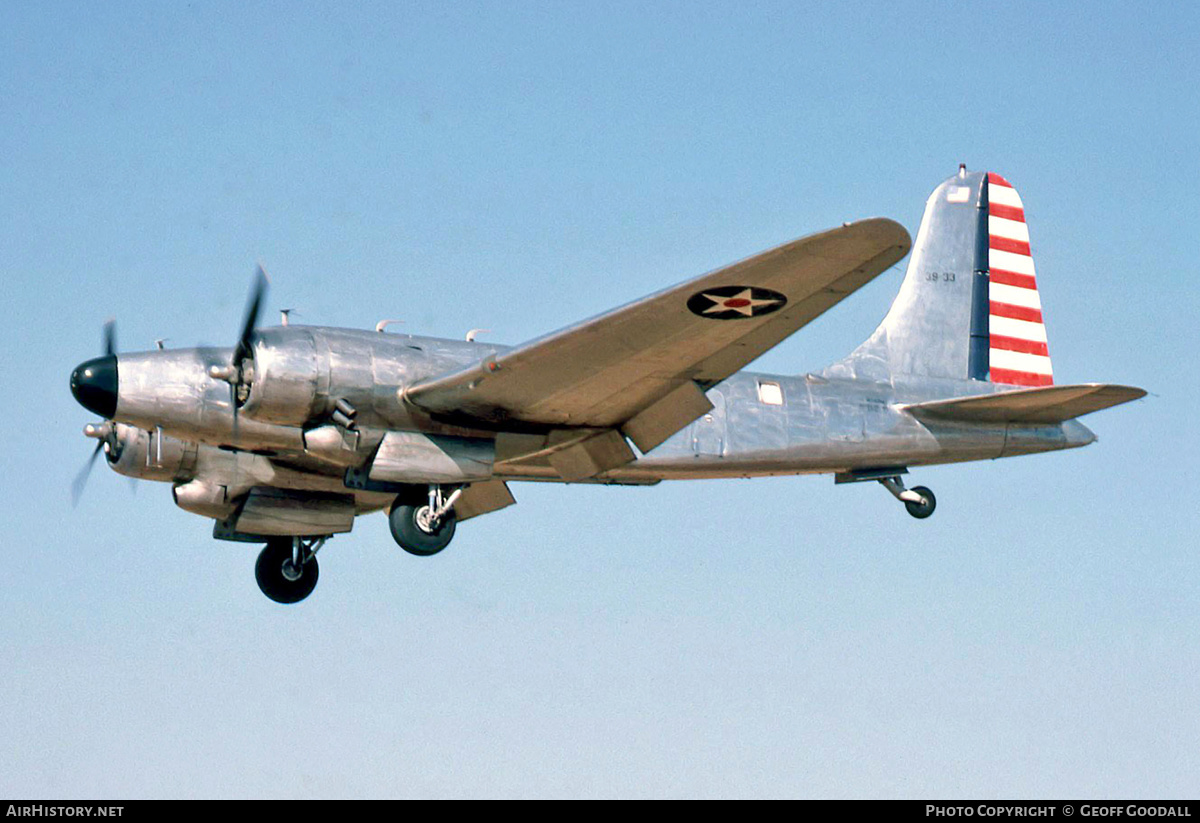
(104, 433)
(110, 337)
(258, 292)
(234, 373)
(80, 481)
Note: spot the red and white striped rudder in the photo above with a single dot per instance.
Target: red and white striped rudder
(1017, 352)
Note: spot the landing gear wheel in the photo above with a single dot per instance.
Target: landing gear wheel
(921, 510)
(414, 531)
(278, 576)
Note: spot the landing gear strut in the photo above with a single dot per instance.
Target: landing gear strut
(286, 570)
(424, 526)
(919, 500)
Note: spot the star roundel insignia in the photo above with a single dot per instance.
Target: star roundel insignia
(735, 302)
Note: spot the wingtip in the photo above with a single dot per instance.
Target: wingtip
(1126, 393)
(886, 228)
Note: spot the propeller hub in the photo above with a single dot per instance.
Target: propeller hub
(94, 385)
(103, 431)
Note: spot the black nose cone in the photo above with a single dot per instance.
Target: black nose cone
(94, 385)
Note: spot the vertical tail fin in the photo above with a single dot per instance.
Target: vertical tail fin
(1017, 352)
(968, 308)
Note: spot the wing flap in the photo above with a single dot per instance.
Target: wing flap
(604, 371)
(1047, 404)
(483, 498)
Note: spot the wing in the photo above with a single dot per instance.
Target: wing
(1045, 404)
(643, 367)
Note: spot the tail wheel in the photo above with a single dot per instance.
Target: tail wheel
(278, 575)
(925, 508)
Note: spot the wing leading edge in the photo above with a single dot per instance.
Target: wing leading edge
(643, 368)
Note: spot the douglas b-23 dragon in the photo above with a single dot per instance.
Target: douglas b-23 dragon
(288, 436)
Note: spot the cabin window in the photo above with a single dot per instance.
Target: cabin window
(770, 393)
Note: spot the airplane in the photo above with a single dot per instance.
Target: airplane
(288, 436)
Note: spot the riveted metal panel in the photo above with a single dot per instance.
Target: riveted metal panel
(413, 457)
(274, 511)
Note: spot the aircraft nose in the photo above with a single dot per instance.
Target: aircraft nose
(94, 385)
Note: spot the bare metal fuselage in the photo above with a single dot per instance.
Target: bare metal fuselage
(760, 424)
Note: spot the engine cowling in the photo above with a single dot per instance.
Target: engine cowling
(150, 455)
(285, 380)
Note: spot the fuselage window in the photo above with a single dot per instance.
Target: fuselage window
(770, 393)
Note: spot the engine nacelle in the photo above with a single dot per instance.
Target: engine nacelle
(288, 385)
(203, 498)
(149, 455)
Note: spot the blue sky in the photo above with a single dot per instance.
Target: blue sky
(519, 167)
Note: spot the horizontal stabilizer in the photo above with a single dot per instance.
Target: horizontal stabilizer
(1044, 404)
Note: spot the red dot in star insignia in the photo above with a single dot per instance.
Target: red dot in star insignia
(736, 303)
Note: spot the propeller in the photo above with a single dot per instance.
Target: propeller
(110, 337)
(258, 292)
(80, 481)
(106, 432)
(235, 374)
(106, 441)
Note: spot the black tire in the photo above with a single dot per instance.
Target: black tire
(269, 572)
(922, 510)
(403, 519)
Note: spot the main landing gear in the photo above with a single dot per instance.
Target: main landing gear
(423, 522)
(286, 570)
(919, 500)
